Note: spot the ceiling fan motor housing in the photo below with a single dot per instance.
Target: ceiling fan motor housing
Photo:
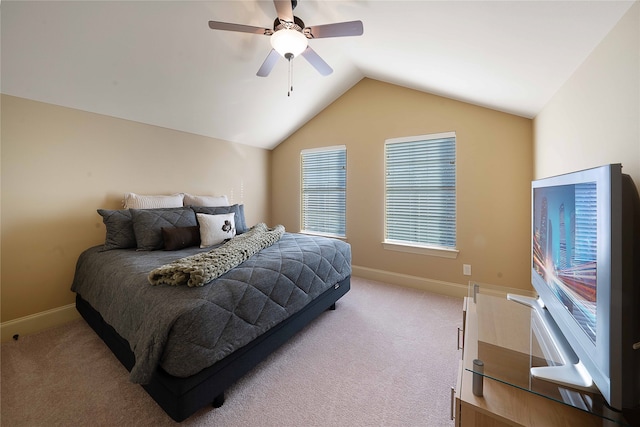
(297, 24)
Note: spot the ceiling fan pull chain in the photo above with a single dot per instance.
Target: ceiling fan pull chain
(289, 57)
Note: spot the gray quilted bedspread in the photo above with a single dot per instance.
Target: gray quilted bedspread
(186, 329)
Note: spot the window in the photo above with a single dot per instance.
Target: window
(420, 192)
(324, 190)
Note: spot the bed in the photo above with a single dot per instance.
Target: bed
(187, 344)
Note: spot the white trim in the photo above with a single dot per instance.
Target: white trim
(421, 250)
(436, 286)
(38, 322)
(428, 137)
(331, 236)
(320, 149)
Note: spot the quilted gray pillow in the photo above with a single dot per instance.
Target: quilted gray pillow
(241, 225)
(119, 226)
(148, 223)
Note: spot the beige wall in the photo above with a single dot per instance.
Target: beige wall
(594, 119)
(494, 170)
(59, 165)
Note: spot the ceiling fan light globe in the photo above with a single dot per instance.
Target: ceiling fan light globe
(289, 41)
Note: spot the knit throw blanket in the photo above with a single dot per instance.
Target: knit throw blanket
(196, 270)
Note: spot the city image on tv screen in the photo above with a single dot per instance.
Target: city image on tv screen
(565, 248)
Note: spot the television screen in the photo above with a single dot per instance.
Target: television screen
(565, 242)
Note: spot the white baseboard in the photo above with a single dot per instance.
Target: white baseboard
(38, 322)
(430, 285)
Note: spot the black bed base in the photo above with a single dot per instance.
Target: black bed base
(181, 397)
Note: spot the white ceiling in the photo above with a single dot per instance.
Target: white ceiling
(157, 62)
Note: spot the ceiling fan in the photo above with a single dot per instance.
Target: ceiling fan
(289, 37)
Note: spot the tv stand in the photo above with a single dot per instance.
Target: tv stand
(569, 371)
(503, 335)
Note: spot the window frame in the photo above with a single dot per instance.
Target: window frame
(418, 247)
(333, 148)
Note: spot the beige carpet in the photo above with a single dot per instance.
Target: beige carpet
(386, 357)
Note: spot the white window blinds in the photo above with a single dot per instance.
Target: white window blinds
(420, 186)
(324, 190)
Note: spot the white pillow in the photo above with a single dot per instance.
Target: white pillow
(190, 200)
(138, 201)
(216, 229)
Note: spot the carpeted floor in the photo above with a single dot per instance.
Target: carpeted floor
(385, 357)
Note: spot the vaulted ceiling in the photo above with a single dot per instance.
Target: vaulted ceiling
(157, 62)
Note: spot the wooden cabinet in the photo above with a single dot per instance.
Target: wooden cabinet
(502, 402)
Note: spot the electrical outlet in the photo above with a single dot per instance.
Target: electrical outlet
(466, 269)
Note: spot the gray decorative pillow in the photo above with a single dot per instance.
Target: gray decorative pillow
(119, 226)
(148, 223)
(241, 225)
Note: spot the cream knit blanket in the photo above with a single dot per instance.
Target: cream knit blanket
(199, 269)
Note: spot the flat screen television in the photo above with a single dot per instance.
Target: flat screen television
(585, 260)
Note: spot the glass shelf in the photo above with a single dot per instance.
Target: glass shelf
(509, 340)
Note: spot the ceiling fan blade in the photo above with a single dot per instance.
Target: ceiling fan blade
(268, 63)
(215, 25)
(284, 10)
(317, 62)
(340, 29)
